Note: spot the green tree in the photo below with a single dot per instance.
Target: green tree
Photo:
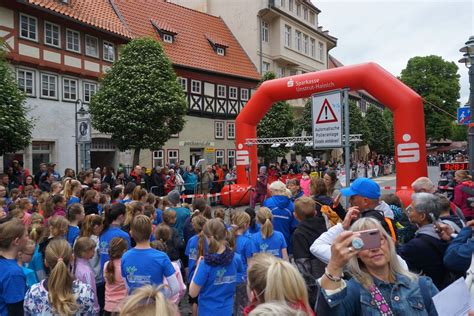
(378, 131)
(357, 123)
(278, 122)
(388, 116)
(458, 132)
(140, 103)
(15, 126)
(437, 81)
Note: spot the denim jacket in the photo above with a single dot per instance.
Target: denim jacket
(404, 297)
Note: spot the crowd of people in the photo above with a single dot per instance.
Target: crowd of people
(107, 244)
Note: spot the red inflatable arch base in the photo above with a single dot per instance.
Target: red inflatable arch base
(406, 105)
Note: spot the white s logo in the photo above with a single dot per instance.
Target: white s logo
(408, 152)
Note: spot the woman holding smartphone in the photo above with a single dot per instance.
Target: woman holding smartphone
(379, 285)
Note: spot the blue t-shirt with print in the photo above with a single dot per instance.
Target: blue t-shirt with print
(105, 239)
(192, 253)
(72, 234)
(159, 217)
(72, 200)
(273, 244)
(245, 247)
(12, 284)
(145, 266)
(218, 284)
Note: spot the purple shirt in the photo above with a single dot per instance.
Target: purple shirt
(85, 274)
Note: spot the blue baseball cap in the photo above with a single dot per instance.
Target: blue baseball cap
(364, 187)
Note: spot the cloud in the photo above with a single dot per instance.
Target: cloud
(391, 32)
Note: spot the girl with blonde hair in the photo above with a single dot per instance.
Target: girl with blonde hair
(273, 279)
(59, 293)
(268, 240)
(148, 301)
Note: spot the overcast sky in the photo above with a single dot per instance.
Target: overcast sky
(390, 32)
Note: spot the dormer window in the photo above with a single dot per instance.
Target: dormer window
(217, 45)
(168, 38)
(220, 51)
(166, 33)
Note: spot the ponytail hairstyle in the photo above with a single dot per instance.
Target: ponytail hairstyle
(136, 193)
(9, 231)
(36, 218)
(112, 214)
(147, 300)
(198, 223)
(117, 247)
(219, 213)
(58, 256)
(90, 221)
(163, 233)
(251, 212)
(82, 245)
(37, 232)
(58, 226)
(134, 208)
(216, 233)
(73, 211)
(265, 217)
(240, 220)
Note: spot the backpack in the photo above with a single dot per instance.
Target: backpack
(331, 215)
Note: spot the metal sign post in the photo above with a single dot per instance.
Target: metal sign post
(347, 144)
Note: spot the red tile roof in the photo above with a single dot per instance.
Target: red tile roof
(191, 47)
(97, 13)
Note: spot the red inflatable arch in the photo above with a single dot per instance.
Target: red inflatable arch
(406, 105)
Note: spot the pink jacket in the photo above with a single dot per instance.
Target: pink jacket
(305, 186)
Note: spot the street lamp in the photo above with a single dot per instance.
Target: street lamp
(81, 112)
(468, 60)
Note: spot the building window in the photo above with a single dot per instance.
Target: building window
(173, 156)
(231, 130)
(52, 34)
(305, 44)
(109, 51)
(305, 14)
(312, 18)
(219, 130)
(321, 51)
(230, 158)
(195, 86)
(313, 48)
(158, 158)
(41, 152)
(221, 91)
(280, 72)
(92, 46)
(28, 27)
(233, 93)
(290, 5)
(244, 94)
(298, 40)
(220, 51)
(265, 67)
(265, 34)
(168, 38)
(220, 157)
(287, 36)
(183, 82)
(89, 90)
(73, 40)
(49, 86)
(298, 9)
(69, 89)
(26, 81)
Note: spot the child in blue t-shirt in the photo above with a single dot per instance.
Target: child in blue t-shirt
(254, 227)
(245, 247)
(195, 248)
(13, 238)
(114, 218)
(268, 240)
(216, 274)
(24, 257)
(75, 215)
(143, 265)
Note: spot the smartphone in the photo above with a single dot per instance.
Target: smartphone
(371, 238)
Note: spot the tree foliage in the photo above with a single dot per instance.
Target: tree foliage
(378, 131)
(388, 116)
(140, 103)
(357, 123)
(15, 126)
(278, 122)
(458, 132)
(437, 81)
